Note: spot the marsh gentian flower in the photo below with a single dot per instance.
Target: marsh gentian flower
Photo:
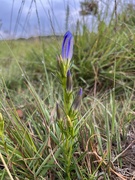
(67, 46)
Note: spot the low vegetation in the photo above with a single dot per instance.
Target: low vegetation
(100, 141)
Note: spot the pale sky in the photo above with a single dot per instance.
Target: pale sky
(18, 18)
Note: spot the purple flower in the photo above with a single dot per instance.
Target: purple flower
(67, 46)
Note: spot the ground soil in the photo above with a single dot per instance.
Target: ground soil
(127, 170)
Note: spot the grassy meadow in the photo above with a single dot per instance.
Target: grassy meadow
(33, 143)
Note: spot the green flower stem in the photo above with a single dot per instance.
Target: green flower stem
(68, 155)
(69, 135)
(67, 97)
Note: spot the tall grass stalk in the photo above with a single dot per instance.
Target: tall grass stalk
(6, 167)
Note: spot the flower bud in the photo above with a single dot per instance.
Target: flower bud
(67, 46)
(58, 111)
(77, 102)
(69, 81)
(70, 124)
